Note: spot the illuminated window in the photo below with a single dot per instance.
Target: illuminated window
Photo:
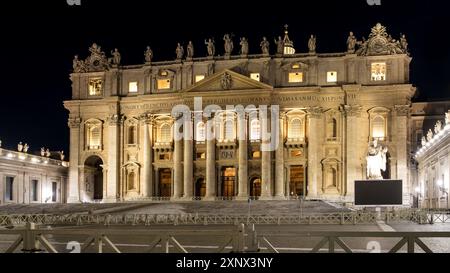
(295, 77)
(200, 132)
(165, 133)
(255, 76)
(296, 129)
(256, 154)
(201, 155)
(296, 153)
(163, 84)
(255, 130)
(378, 71)
(378, 127)
(332, 76)
(133, 87)
(199, 78)
(296, 66)
(95, 87)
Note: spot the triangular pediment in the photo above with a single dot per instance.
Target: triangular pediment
(228, 80)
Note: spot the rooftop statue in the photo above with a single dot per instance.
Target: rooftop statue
(190, 50)
(376, 161)
(244, 46)
(265, 46)
(116, 57)
(424, 141)
(438, 127)
(20, 147)
(26, 148)
(179, 52)
(78, 65)
(43, 152)
(430, 135)
(148, 55)
(312, 44)
(404, 43)
(447, 118)
(351, 43)
(210, 47)
(280, 45)
(228, 46)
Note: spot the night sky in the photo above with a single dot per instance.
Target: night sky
(40, 38)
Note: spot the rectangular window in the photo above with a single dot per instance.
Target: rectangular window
(201, 155)
(34, 190)
(199, 78)
(54, 191)
(256, 154)
(296, 77)
(9, 188)
(332, 76)
(255, 76)
(164, 84)
(378, 71)
(133, 87)
(95, 87)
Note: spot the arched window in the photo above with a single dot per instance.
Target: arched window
(200, 134)
(255, 130)
(296, 129)
(378, 127)
(332, 128)
(131, 181)
(229, 130)
(165, 134)
(132, 135)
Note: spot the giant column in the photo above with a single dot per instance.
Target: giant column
(148, 187)
(243, 157)
(353, 165)
(211, 190)
(402, 113)
(74, 169)
(177, 167)
(188, 160)
(314, 151)
(115, 122)
(279, 161)
(266, 160)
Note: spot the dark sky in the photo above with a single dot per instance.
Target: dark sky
(39, 39)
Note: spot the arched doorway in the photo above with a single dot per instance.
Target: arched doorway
(297, 181)
(200, 188)
(165, 183)
(94, 177)
(255, 187)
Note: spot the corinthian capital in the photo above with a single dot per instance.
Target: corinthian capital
(315, 112)
(402, 110)
(74, 123)
(147, 118)
(352, 110)
(115, 119)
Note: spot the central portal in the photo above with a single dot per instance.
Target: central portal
(297, 181)
(165, 182)
(228, 181)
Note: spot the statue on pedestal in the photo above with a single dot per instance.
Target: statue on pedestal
(351, 43)
(424, 141)
(244, 46)
(312, 44)
(265, 46)
(115, 60)
(376, 161)
(404, 43)
(25, 148)
(20, 147)
(228, 46)
(280, 45)
(48, 153)
(148, 55)
(210, 47)
(430, 135)
(190, 50)
(447, 118)
(179, 51)
(438, 127)
(43, 152)
(61, 155)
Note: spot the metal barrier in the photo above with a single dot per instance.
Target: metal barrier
(351, 218)
(237, 239)
(334, 239)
